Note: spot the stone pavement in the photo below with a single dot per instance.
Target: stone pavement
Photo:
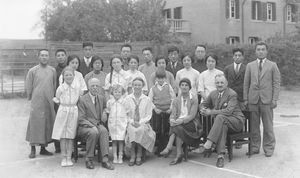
(14, 150)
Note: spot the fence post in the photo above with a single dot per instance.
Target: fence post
(12, 82)
(2, 82)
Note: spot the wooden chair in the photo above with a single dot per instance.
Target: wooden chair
(239, 137)
(82, 145)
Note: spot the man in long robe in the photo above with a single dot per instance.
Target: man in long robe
(40, 88)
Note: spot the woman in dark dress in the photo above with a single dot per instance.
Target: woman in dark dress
(185, 126)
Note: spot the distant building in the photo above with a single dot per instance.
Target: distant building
(230, 21)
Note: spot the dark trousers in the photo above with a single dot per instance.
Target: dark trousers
(160, 125)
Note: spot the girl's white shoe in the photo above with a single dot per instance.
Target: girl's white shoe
(120, 161)
(115, 160)
(69, 162)
(64, 162)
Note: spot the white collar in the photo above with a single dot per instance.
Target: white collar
(66, 86)
(165, 83)
(263, 61)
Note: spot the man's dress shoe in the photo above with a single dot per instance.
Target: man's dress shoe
(45, 152)
(252, 153)
(177, 160)
(220, 162)
(108, 165)
(89, 164)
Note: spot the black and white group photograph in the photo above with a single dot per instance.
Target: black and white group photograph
(149, 88)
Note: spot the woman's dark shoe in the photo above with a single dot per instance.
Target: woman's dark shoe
(45, 152)
(177, 160)
(207, 152)
(138, 162)
(166, 152)
(131, 163)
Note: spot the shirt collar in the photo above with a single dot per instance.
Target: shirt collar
(165, 83)
(263, 60)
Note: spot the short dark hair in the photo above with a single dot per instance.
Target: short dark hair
(40, 50)
(160, 73)
(186, 80)
(187, 55)
(261, 43)
(173, 48)
(126, 45)
(84, 44)
(94, 59)
(72, 57)
(215, 57)
(159, 58)
(60, 50)
(147, 49)
(234, 50)
(200, 45)
(134, 57)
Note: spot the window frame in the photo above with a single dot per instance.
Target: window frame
(232, 9)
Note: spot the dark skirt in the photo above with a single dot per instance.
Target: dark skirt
(189, 133)
(161, 126)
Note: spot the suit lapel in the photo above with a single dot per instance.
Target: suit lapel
(224, 98)
(91, 106)
(240, 70)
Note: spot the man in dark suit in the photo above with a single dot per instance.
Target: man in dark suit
(221, 103)
(199, 58)
(261, 92)
(85, 66)
(235, 73)
(91, 119)
(174, 63)
(125, 54)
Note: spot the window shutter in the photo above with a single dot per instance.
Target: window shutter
(264, 11)
(294, 12)
(237, 9)
(253, 10)
(274, 11)
(227, 9)
(227, 40)
(259, 10)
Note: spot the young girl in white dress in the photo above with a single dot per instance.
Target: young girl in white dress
(117, 122)
(65, 125)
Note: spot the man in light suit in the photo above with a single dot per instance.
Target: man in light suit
(85, 63)
(223, 105)
(261, 91)
(91, 119)
(235, 73)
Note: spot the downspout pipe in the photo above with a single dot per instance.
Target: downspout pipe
(243, 22)
(284, 17)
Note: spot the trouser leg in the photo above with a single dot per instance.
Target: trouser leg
(268, 132)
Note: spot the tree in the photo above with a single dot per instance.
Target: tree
(102, 20)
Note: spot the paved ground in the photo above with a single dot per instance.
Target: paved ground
(284, 163)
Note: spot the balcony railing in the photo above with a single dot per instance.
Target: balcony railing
(179, 25)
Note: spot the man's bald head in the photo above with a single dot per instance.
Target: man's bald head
(94, 86)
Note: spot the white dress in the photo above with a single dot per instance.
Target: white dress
(65, 124)
(78, 81)
(143, 135)
(117, 120)
(117, 78)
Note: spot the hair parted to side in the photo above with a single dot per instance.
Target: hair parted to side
(117, 87)
(138, 79)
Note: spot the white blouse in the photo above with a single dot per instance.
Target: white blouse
(192, 75)
(117, 78)
(207, 81)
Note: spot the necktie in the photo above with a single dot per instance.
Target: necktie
(218, 101)
(260, 64)
(173, 65)
(136, 111)
(97, 106)
(236, 70)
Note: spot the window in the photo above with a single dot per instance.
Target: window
(253, 40)
(167, 13)
(263, 11)
(271, 11)
(178, 13)
(232, 9)
(232, 40)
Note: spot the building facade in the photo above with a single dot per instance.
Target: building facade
(230, 21)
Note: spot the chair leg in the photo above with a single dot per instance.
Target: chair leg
(75, 150)
(250, 147)
(99, 155)
(185, 152)
(230, 149)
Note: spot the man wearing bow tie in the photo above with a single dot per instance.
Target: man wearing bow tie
(261, 91)
(223, 105)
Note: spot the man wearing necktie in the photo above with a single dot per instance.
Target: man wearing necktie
(261, 91)
(223, 105)
(235, 73)
(91, 119)
(85, 66)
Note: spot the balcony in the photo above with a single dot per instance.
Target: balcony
(179, 26)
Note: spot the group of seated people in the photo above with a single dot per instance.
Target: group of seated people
(149, 107)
